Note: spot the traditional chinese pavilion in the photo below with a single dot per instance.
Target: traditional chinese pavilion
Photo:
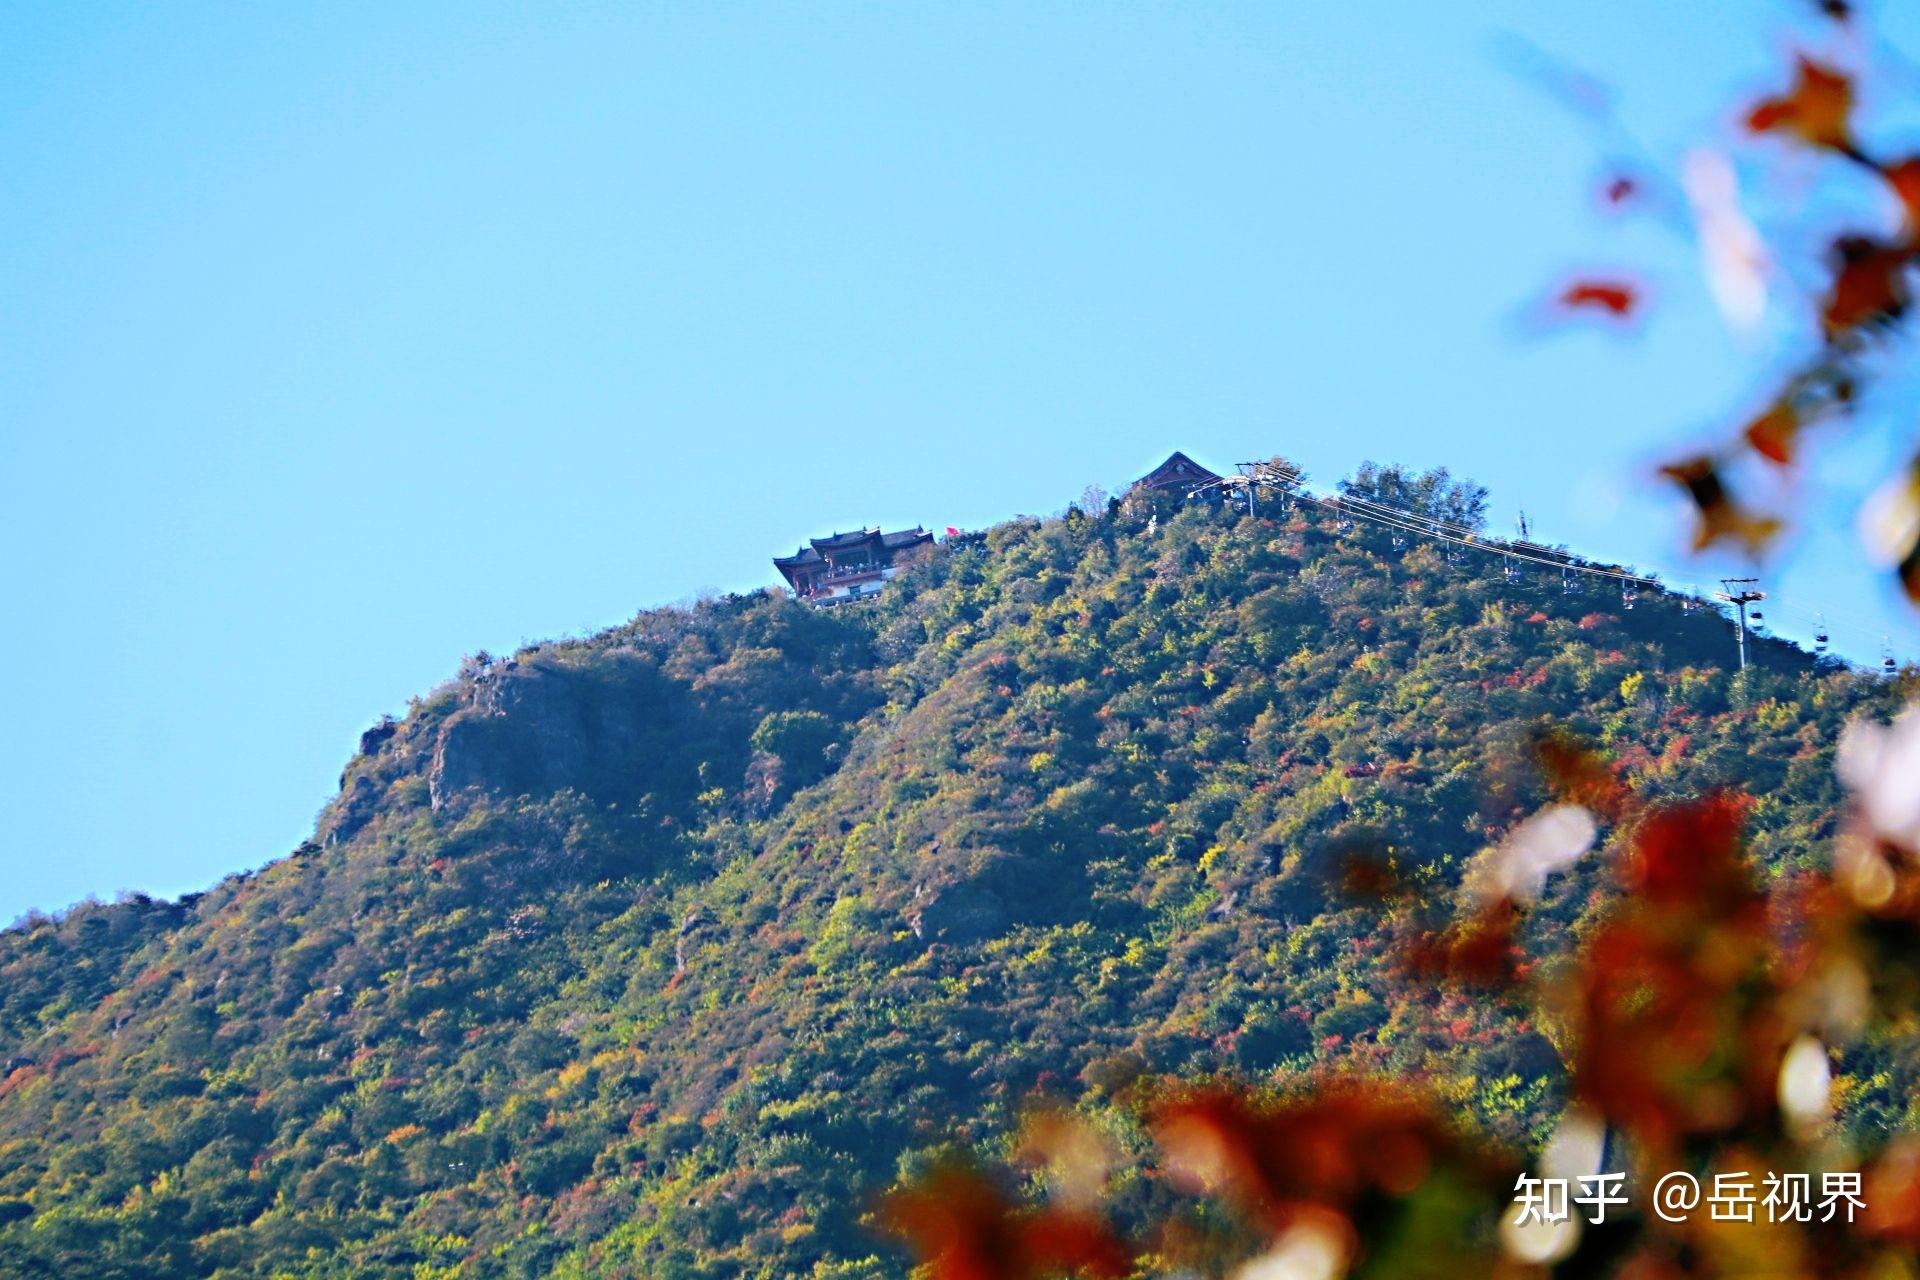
(848, 566)
(1179, 475)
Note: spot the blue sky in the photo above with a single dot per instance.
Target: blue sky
(337, 342)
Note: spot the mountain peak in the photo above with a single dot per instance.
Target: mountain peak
(662, 951)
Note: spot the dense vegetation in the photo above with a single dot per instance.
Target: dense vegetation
(661, 953)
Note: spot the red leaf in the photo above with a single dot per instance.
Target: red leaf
(1479, 951)
(1614, 297)
(1904, 178)
(1690, 855)
(1909, 571)
(963, 1228)
(1869, 284)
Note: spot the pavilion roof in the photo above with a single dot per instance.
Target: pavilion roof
(1178, 469)
(840, 541)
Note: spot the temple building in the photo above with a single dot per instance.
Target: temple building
(848, 566)
(1179, 475)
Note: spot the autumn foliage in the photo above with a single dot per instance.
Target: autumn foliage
(1860, 303)
(1695, 1020)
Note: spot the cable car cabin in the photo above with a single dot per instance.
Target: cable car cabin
(849, 566)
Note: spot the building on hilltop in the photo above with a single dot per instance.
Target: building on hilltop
(1179, 473)
(1178, 476)
(848, 566)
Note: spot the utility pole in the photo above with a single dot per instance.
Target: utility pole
(1741, 592)
(1254, 474)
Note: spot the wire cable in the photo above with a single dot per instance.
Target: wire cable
(1353, 506)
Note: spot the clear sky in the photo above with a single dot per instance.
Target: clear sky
(339, 341)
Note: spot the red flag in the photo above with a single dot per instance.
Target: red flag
(952, 532)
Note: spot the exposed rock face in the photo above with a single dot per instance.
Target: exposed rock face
(536, 728)
(688, 928)
(958, 913)
(351, 811)
(371, 742)
(373, 739)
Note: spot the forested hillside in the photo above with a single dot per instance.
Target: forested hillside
(661, 953)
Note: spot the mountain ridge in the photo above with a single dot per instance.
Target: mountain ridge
(660, 952)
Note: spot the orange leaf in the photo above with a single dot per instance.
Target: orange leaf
(1893, 1194)
(1580, 775)
(1348, 1141)
(1719, 515)
(1773, 433)
(1815, 110)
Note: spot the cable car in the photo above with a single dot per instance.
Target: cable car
(1819, 633)
(1512, 571)
(1627, 597)
(1399, 543)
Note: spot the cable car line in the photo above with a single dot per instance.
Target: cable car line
(1347, 507)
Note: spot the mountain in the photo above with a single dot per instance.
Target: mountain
(660, 953)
